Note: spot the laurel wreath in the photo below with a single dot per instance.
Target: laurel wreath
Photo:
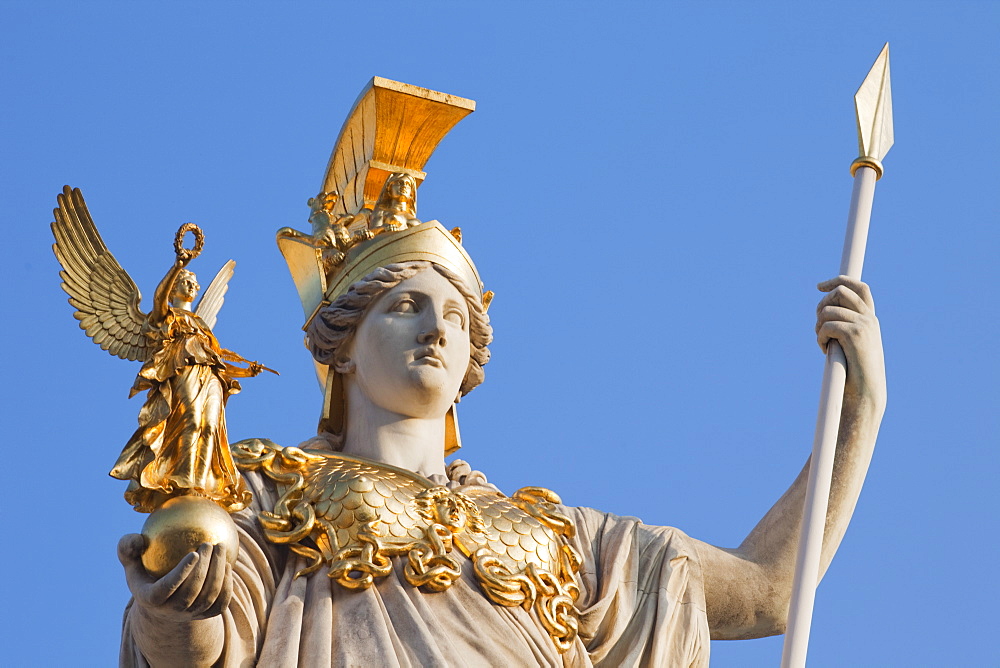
(199, 241)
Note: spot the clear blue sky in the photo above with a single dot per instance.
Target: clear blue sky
(652, 190)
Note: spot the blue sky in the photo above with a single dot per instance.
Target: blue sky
(652, 191)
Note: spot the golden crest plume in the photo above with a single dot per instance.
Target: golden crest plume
(365, 216)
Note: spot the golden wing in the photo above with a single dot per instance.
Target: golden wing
(105, 297)
(215, 295)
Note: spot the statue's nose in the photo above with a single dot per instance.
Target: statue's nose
(433, 331)
(431, 335)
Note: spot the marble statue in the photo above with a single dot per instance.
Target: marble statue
(361, 547)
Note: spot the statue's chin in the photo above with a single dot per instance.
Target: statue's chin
(179, 526)
(427, 394)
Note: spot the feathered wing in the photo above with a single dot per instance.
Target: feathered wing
(215, 295)
(105, 297)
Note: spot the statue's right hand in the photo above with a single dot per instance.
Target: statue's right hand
(199, 586)
(184, 257)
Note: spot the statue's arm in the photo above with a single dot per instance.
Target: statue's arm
(161, 298)
(748, 588)
(252, 370)
(176, 620)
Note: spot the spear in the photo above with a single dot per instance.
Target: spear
(873, 104)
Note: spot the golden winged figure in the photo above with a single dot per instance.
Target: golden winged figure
(180, 447)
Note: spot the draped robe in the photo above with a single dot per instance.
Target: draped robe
(181, 442)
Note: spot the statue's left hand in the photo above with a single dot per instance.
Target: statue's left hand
(847, 314)
(199, 587)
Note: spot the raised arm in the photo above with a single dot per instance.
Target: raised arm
(165, 290)
(748, 588)
(161, 298)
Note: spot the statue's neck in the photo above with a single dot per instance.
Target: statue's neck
(414, 444)
(399, 206)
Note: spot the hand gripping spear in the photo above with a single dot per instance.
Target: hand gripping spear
(873, 103)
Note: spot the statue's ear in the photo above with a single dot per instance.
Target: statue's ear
(344, 364)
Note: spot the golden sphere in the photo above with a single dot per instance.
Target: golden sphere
(179, 526)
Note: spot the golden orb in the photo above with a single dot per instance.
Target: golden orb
(179, 526)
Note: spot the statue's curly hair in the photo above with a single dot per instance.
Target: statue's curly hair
(334, 325)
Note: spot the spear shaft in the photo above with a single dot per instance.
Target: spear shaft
(873, 103)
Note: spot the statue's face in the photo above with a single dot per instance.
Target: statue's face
(401, 188)
(411, 350)
(186, 288)
(451, 515)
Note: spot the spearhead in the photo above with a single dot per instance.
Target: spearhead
(873, 107)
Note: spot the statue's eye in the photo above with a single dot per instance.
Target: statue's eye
(455, 316)
(405, 306)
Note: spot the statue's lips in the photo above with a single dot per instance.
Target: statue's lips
(428, 357)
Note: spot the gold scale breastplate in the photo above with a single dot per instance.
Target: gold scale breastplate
(353, 514)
